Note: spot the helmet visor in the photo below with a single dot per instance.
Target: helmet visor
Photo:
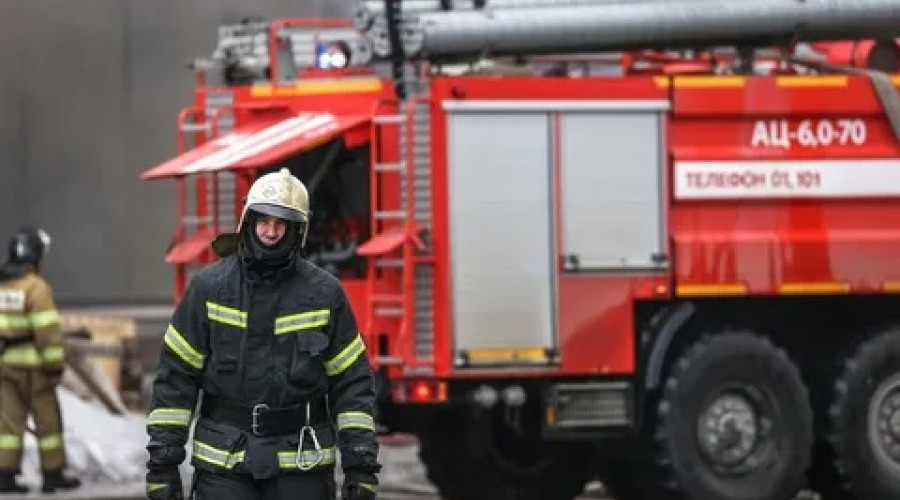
(278, 211)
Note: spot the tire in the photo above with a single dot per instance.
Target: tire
(863, 431)
(461, 463)
(738, 387)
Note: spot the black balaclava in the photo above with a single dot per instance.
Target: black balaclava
(261, 259)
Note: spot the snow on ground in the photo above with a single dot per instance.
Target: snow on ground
(103, 449)
(107, 452)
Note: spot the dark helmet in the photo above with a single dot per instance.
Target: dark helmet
(29, 246)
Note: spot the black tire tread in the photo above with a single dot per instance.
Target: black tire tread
(845, 477)
(666, 476)
(459, 473)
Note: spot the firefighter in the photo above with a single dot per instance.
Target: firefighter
(31, 364)
(272, 342)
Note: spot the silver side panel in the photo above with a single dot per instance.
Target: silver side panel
(500, 230)
(611, 192)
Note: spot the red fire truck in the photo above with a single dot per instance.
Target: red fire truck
(672, 269)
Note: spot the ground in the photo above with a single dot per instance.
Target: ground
(107, 452)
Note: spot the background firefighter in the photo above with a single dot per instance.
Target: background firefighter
(273, 343)
(31, 364)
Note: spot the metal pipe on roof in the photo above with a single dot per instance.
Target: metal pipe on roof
(368, 11)
(664, 23)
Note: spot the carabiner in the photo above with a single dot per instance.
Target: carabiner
(320, 455)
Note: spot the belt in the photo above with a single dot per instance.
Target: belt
(6, 342)
(263, 420)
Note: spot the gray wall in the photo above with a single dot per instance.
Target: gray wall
(89, 94)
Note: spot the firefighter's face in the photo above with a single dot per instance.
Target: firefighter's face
(270, 229)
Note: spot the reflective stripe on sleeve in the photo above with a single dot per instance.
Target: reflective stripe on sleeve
(182, 348)
(52, 354)
(170, 416)
(302, 321)
(345, 358)
(226, 315)
(370, 487)
(151, 487)
(43, 319)
(355, 420)
(21, 355)
(9, 321)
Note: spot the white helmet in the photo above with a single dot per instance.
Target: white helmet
(281, 195)
(278, 194)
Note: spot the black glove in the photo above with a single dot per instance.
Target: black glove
(164, 483)
(359, 486)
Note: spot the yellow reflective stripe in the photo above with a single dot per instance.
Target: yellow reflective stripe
(288, 459)
(10, 442)
(169, 416)
(355, 420)
(346, 357)
(301, 321)
(14, 320)
(155, 486)
(41, 319)
(227, 315)
(53, 354)
(50, 442)
(22, 355)
(370, 487)
(216, 456)
(182, 348)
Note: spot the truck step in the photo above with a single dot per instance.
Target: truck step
(390, 214)
(389, 167)
(388, 297)
(389, 311)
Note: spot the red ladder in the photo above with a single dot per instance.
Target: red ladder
(393, 250)
(197, 224)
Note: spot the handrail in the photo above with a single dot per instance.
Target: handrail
(183, 116)
(375, 150)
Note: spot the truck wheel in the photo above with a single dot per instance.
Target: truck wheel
(864, 421)
(464, 466)
(734, 421)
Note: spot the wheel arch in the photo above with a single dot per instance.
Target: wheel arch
(660, 336)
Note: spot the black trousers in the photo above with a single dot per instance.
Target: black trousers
(312, 485)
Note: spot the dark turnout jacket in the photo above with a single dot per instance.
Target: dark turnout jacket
(260, 350)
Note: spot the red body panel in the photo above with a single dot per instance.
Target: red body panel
(357, 294)
(595, 316)
(596, 323)
(824, 239)
(769, 245)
